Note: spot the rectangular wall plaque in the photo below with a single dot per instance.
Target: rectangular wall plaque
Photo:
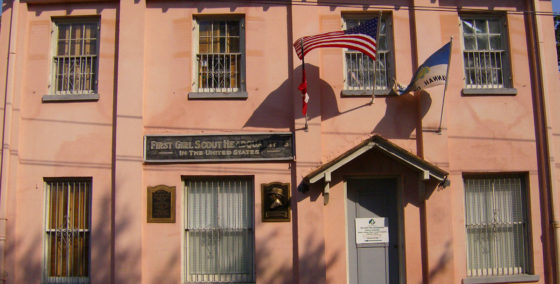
(161, 204)
(212, 148)
(275, 202)
(372, 230)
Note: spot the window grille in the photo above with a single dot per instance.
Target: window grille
(485, 56)
(359, 67)
(67, 230)
(496, 226)
(75, 59)
(219, 57)
(219, 230)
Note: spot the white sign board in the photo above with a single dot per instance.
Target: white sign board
(372, 231)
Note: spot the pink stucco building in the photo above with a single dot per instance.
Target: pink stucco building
(162, 141)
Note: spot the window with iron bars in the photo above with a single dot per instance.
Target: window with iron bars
(75, 57)
(485, 54)
(359, 68)
(67, 230)
(220, 55)
(496, 226)
(219, 232)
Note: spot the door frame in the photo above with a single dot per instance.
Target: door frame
(400, 217)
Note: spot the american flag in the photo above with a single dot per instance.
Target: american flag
(361, 38)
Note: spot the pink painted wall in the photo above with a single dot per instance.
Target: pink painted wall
(56, 140)
(147, 94)
(166, 110)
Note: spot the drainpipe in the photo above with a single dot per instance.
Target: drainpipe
(6, 134)
(542, 120)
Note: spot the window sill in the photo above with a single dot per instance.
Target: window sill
(502, 279)
(70, 98)
(68, 279)
(365, 93)
(490, 92)
(217, 96)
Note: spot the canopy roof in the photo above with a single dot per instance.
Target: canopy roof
(427, 169)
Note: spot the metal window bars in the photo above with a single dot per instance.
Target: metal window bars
(219, 72)
(219, 230)
(484, 69)
(67, 231)
(75, 62)
(485, 56)
(360, 68)
(496, 226)
(219, 56)
(359, 71)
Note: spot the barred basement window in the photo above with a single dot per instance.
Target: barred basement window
(485, 53)
(67, 230)
(496, 226)
(359, 68)
(219, 230)
(219, 55)
(75, 58)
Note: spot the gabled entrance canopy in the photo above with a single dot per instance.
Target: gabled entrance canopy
(427, 170)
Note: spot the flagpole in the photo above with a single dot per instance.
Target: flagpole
(303, 74)
(375, 61)
(446, 80)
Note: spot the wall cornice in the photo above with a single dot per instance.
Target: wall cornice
(64, 1)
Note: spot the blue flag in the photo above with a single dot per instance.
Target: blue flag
(432, 73)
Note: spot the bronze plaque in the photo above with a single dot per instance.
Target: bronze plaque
(161, 204)
(275, 202)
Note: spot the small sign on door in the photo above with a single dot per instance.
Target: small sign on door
(372, 231)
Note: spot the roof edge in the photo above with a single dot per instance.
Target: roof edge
(428, 169)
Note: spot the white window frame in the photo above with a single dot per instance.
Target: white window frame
(239, 182)
(387, 53)
(508, 229)
(225, 92)
(83, 231)
(486, 76)
(78, 93)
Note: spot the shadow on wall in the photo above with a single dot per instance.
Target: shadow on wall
(201, 6)
(311, 191)
(26, 259)
(400, 115)
(485, 5)
(442, 264)
(278, 104)
(68, 8)
(398, 122)
(100, 250)
(284, 273)
(366, 4)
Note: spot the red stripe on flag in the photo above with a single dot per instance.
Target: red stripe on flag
(304, 96)
(362, 43)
